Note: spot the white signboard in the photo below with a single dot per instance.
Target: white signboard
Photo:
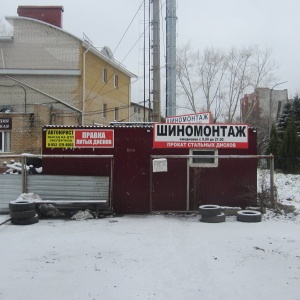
(200, 136)
(193, 118)
(160, 165)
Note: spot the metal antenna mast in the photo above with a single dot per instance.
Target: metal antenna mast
(156, 61)
(171, 58)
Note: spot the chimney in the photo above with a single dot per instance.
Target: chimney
(48, 14)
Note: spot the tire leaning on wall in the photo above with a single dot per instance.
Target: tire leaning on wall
(249, 216)
(23, 212)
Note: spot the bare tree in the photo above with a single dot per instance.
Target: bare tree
(237, 79)
(211, 70)
(262, 74)
(215, 81)
(187, 74)
(263, 67)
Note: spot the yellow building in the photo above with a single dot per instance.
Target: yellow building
(51, 77)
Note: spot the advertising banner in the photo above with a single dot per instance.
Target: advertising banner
(200, 136)
(79, 138)
(97, 138)
(60, 138)
(199, 118)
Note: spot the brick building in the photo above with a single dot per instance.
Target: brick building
(49, 76)
(263, 103)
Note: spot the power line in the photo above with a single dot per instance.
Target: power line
(117, 48)
(99, 93)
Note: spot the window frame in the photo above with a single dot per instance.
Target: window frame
(104, 110)
(116, 81)
(210, 163)
(104, 75)
(116, 114)
(5, 145)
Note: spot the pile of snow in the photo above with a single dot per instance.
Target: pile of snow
(29, 197)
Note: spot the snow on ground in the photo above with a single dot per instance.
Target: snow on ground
(288, 189)
(155, 257)
(288, 194)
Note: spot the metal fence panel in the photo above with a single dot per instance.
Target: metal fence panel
(230, 181)
(75, 188)
(70, 178)
(10, 189)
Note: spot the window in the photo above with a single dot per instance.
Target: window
(116, 81)
(116, 114)
(104, 75)
(4, 141)
(204, 162)
(104, 110)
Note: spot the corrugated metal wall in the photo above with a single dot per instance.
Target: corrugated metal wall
(75, 188)
(54, 187)
(10, 189)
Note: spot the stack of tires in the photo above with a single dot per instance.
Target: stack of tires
(211, 214)
(249, 216)
(23, 212)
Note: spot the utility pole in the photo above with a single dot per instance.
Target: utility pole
(156, 61)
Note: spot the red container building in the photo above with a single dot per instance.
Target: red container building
(186, 184)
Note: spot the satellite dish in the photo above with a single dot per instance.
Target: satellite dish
(107, 52)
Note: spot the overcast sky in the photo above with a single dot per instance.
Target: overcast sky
(218, 23)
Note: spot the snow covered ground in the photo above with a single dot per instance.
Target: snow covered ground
(155, 256)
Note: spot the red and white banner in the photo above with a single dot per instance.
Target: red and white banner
(94, 138)
(199, 118)
(200, 136)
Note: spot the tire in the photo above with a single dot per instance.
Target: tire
(27, 221)
(248, 216)
(213, 219)
(210, 210)
(21, 205)
(23, 214)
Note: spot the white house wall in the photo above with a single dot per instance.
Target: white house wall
(39, 48)
(31, 38)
